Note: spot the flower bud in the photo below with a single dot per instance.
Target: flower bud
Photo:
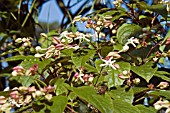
(114, 55)
(38, 55)
(14, 73)
(48, 96)
(14, 94)
(136, 81)
(84, 19)
(43, 35)
(31, 89)
(38, 48)
(98, 29)
(163, 85)
(38, 93)
(2, 100)
(125, 48)
(23, 88)
(114, 31)
(125, 72)
(50, 88)
(145, 29)
(26, 44)
(28, 99)
(90, 79)
(18, 40)
(99, 23)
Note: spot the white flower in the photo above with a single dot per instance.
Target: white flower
(132, 41)
(82, 36)
(109, 63)
(79, 76)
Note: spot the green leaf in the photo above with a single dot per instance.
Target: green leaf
(82, 56)
(164, 93)
(158, 8)
(72, 96)
(166, 37)
(97, 63)
(43, 64)
(59, 87)
(67, 52)
(121, 93)
(105, 50)
(19, 57)
(145, 71)
(139, 89)
(32, 61)
(127, 31)
(5, 93)
(124, 66)
(25, 80)
(90, 68)
(112, 77)
(59, 104)
(123, 107)
(89, 94)
(73, 28)
(144, 109)
(163, 75)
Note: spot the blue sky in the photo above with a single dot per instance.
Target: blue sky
(51, 12)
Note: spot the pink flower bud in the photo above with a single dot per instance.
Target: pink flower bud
(163, 85)
(50, 88)
(18, 68)
(14, 94)
(31, 89)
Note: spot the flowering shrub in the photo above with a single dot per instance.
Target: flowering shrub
(113, 69)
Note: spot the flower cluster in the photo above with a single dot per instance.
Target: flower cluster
(108, 62)
(97, 23)
(19, 71)
(21, 96)
(162, 104)
(65, 40)
(25, 41)
(82, 76)
(133, 41)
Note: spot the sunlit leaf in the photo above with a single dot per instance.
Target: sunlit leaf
(59, 104)
(127, 31)
(89, 94)
(145, 71)
(144, 109)
(121, 93)
(121, 106)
